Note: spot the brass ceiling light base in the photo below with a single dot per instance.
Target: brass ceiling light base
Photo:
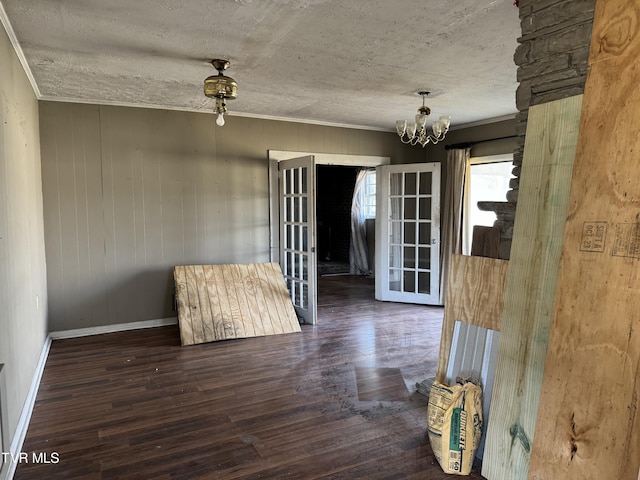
(424, 110)
(220, 65)
(220, 87)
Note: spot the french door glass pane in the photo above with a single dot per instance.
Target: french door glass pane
(304, 210)
(410, 184)
(409, 257)
(410, 232)
(395, 236)
(395, 186)
(394, 279)
(288, 206)
(395, 208)
(409, 281)
(395, 256)
(304, 181)
(305, 267)
(296, 209)
(296, 181)
(409, 209)
(425, 208)
(287, 181)
(424, 282)
(424, 258)
(425, 183)
(424, 233)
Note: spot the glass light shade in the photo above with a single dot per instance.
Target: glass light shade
(220, 120)
(420, 121)
(437, 128)
(445, 121)
(411, 129)
(401, 126)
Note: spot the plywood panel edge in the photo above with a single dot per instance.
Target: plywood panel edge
(184, 312)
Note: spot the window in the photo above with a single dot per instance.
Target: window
(369, 195)
(488, 182)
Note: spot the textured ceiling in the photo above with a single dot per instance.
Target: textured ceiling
(357, 63)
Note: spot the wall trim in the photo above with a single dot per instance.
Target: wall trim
(4, 19)
(118, 327)
(25, 416)
(209, 111)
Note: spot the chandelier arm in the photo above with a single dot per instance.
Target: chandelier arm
(422, 137)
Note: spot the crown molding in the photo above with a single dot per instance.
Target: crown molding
(486, 121)
(48, 98)
(4, 19)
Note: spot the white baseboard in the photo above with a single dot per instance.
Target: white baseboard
(9, 468)
(119, 327)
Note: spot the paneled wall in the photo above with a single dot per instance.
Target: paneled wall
(23, 289)
(129, 193)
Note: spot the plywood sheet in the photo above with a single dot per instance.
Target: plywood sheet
(588, 424)
(222, 302)
(550, 146)
(474, 296)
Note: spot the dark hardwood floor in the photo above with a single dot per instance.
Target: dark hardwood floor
(335, 401)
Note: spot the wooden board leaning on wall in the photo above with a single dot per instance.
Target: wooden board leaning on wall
(222, 302)
(588, 424)
(550, 146)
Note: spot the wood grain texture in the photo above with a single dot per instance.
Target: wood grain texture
(136, 405)
(550, 145)
(474, 296)
(221, 302)
(485, 241)
(182, 301)
(588, 426)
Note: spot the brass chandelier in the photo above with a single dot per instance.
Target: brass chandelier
(220, 87)
(417, 133)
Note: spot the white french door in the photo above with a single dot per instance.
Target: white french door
(297, 233)
(408, 233)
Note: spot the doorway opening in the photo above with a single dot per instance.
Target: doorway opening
(334, 198)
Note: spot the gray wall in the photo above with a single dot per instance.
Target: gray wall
(130, 192)
(23, 290)
(481, 136)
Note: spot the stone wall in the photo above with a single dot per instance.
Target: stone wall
(552, 64)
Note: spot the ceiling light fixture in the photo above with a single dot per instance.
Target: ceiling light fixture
(220, 87)
(417, 133)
